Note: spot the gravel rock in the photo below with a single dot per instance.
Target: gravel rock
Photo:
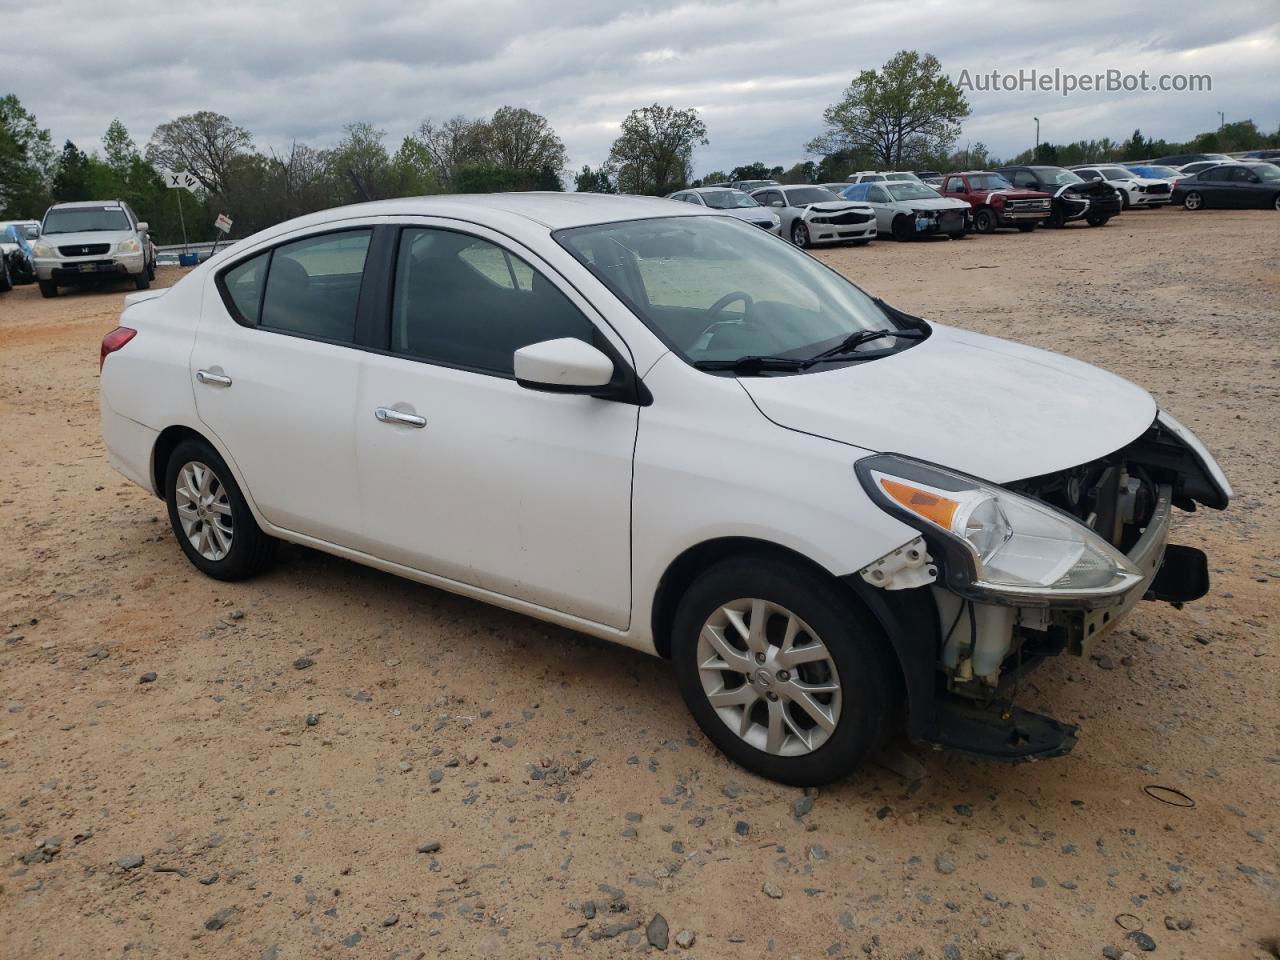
(148, 677)
(303, 663)
(391, 920)
(1142, 941)
(1037, 882)
(742, 828)
(731, 790)
(772, 890)
(802, 806)
(221, 918)
(943, 865)
(614, 929)
(686, 939)
(658, 932)
(131, 862)
(312, 719)
(432, 846)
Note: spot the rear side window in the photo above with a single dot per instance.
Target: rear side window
(464, 302)
(243, 284)
(313, 286)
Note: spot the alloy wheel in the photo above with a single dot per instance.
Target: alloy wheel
(769, 677)
(800, 235)
(204, 510)
(1192, 201)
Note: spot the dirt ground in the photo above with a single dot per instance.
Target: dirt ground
(240, 807)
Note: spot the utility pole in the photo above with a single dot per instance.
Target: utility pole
(1222, 120)
(1037, 120)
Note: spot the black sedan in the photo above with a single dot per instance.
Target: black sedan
(1231, 185)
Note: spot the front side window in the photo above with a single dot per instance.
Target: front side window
(313, 285)
(1058, 177)
(718, 289)
(1088, 175)
(803, 196)
(954, 185)
(465, 302)
(877, 194)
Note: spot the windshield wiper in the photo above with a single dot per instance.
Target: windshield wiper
(752, 364)
(855, 340)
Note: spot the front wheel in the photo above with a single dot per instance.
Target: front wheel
(6, 279)
(984, 221)
(782, 670)
(48, 288)
(1277, 202)
(142, 281)
(1097, 220)
(800, 235)
(210, 516)
(1194, 201)
(902, 229)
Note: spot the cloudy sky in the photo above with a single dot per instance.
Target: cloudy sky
(760, 73)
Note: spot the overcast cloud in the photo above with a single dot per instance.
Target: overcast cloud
(760, 73)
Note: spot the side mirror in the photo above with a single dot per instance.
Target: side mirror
(566, 365)
(776, 203)
(143, 226)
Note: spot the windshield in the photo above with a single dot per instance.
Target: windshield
(1156, 172)
(1057, 176)
(1267, 171)
(989, 181)
(807, 195)
(1115, 173)
(85, 220)
(911, 191)
(727, 199)
(910, 177)
(714, 288)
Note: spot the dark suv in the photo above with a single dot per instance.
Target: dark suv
(1073, 198)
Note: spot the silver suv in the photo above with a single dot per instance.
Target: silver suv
(92, 241)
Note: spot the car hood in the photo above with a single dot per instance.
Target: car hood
(86, 237)
(938, 203)
(995, 409)
(1014, 193)
(750, 214)
(834, 206)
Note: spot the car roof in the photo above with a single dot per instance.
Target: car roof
(72, 204)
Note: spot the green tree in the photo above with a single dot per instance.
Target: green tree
(803, 172)
(906, 109)
(593, 181)
(118, 148)
(71, 175)
(26, 162)
(653, 154)
(205, 144)
(520, 139)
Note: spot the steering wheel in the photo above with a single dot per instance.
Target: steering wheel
(727, 299)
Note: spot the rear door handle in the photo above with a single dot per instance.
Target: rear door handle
(213, 379)
(389, 415)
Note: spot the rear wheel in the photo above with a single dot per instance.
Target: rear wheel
(1124, 199)
(1194, 201)
(48, 288)
(782, 670)
(800, 235)
(902, 229)
(984, 220)
(1277, 202)
(210, 516)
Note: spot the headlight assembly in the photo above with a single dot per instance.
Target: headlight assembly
(132, 245)
(43, 250)
(999, 546)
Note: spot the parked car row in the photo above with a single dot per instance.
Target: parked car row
(904, 206)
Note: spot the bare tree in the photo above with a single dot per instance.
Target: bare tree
(451, 144)
(205, 144)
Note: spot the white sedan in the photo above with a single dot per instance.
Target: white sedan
(909, 210)
(663, 427)
(1136, 191)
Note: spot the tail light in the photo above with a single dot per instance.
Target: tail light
(113, 341)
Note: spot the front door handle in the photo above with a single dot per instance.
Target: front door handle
(389, 415)
(213, 379)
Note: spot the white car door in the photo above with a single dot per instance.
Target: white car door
(471, 477)
(274, 376)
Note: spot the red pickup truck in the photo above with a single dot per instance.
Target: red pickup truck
(996, 202)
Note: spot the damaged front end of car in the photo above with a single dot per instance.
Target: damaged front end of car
(1030, 569)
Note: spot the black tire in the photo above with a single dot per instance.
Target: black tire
(151, 270)
(1097, 220)
(800, 235)
(1193, 200)
(143, 280)
(901, 229)
(1057, 219)
(1026, 227)
(48, 288)
(958, 234)
(863, 243)
(1124, 200)
(1276, 203)
(251, 550)
(856, 644)
(984, 220)
(6, 279)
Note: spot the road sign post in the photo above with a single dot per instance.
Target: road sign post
(180, 180)
(223, 226)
